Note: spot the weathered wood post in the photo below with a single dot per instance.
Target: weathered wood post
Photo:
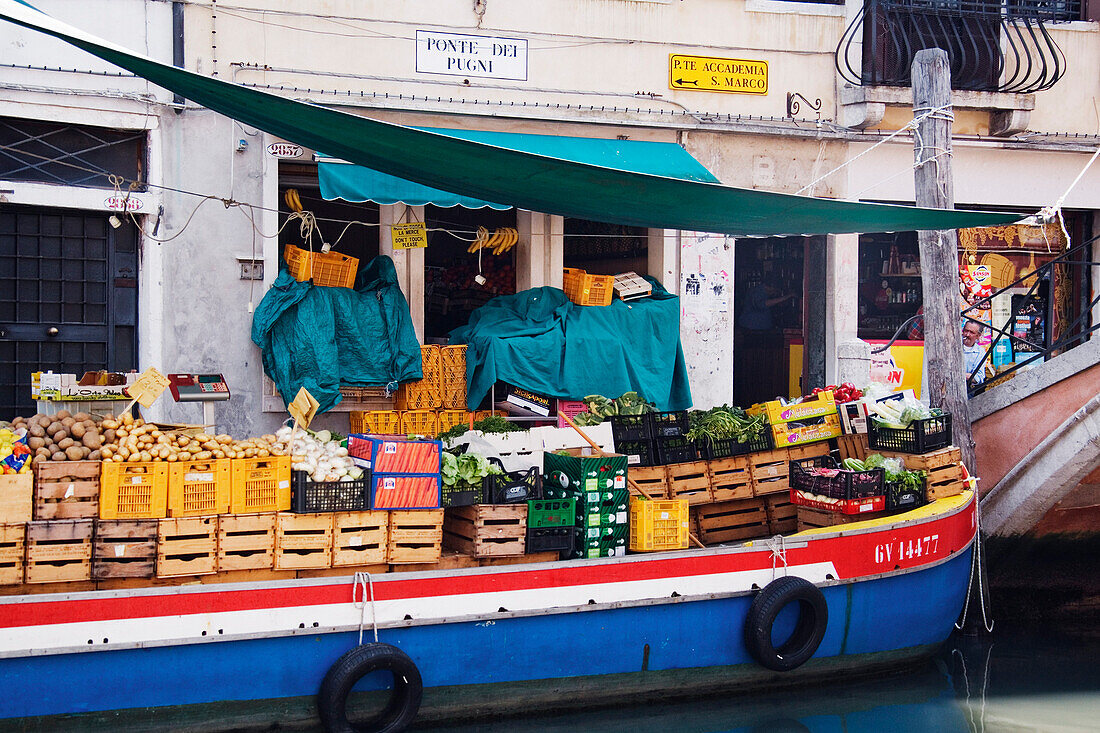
(939, 249)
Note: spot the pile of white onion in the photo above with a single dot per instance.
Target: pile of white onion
(318, 455)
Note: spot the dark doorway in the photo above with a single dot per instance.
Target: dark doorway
(68, 298)
(768, 293)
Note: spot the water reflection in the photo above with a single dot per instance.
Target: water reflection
(1011, 681)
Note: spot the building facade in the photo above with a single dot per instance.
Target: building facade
(794, 97)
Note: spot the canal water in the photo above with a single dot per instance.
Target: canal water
(1017, 679)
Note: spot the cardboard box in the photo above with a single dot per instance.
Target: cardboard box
(524, 402)
(810, 407)
(48, 386)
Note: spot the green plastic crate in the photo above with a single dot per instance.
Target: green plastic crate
(579, 473)
(551, 512)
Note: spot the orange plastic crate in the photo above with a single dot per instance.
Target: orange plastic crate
(426, 393)
(196, 488)
(328, 269)
(419, 422)
(137, 490)
(585, 289)
(382, 422)
(260, 484)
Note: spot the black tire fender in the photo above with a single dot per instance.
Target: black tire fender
(813, 617)
(404, 701)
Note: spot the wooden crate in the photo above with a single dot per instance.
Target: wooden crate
(359, 538)
(187, 546)
(770, 471)
(124, 548)
(730, 521)
(303, 541)
(246, 541)
(12, 545)
(654, 479)
(486, 530)
(730, 478)
(945, 472)
(66, 489)
(16, 498)
(415, 536)
(782, 515)
(690, 481)
(810, 450)
(811, 518)
(59, 551)
(852, 446)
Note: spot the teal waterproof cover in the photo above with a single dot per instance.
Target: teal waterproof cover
(538, 340)
(321, 338)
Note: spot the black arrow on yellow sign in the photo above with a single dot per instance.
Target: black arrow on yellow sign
(688, 81)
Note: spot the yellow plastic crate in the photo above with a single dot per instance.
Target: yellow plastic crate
(420, 422)
(196, 488)
(137, 490)
(382, 422)
(328, 269)
(453, 360)
(449, 418)
(259, 484)
(658, 524)
(426, 393)
(585, 289)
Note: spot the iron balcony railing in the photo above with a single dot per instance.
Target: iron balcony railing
(1029, 349)
(992, 45)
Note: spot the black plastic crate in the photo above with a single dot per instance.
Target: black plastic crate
(669, 424)
(676, 450)
(625, 428)
(843, 485)
(307, 497)
(461, 495)
(638, 452)
(550, 539)
(899, 497)
(513, 488)
(921, 436)
(729, 447)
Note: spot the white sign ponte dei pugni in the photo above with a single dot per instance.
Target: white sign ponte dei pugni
(466, 55)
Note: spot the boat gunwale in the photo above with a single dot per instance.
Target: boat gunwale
(789, 542)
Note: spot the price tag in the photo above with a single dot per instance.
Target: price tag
(148, 387)
(303, 408)
(409, 236)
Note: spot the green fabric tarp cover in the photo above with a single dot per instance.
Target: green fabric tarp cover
(320, 338)
(517, 178)
(538, 340)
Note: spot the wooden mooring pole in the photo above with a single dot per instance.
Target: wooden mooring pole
(939, 256)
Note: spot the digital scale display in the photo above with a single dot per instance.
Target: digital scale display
(198, 387)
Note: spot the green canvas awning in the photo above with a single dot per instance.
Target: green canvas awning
(341, 180)
(518, 178)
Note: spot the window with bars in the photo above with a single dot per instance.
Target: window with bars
(75, 155)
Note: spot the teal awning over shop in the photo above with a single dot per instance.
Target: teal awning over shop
(341, 180)
(517, 178)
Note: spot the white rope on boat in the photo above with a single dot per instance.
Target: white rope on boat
(976, 566)
(778, 547)
(364, 580)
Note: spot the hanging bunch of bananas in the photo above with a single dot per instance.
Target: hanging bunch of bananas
(499, 242)
(292, 201)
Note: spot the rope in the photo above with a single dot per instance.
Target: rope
(976, 564)
(364, 580)
(778, 547)
(911, 125)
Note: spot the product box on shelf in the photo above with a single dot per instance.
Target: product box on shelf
(809, 407)
(524, 401)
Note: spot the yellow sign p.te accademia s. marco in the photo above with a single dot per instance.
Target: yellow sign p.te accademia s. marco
(710, 74)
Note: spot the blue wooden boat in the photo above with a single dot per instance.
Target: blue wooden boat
(858, 598)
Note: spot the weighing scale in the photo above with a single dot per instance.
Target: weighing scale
(204, 388)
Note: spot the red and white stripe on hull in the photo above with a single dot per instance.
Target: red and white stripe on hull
(53, 624)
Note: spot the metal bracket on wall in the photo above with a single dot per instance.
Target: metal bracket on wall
(793, 106)
(251, 269)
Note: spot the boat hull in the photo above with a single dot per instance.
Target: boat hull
(680, 641)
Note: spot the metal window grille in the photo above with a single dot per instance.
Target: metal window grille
(76, 155)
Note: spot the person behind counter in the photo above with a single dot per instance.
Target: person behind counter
(973, 353)
(757, 315)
